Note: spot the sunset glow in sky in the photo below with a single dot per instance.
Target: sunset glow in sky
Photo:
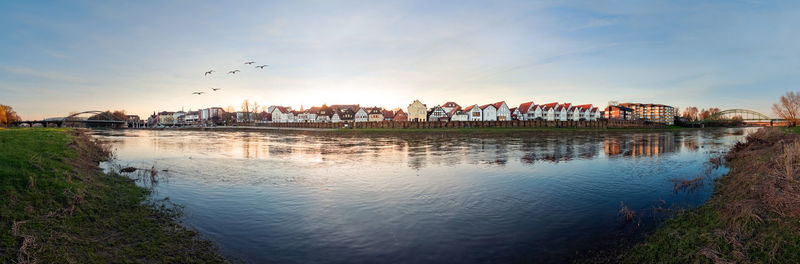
(145, 56)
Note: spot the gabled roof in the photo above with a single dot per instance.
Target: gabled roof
(375, 111)
(499, 104)
(454, 111)
(451, 104)
(388, 114)
(487, 105)
(550, 106)
(436, 107)
(525, 107)
(512, 109)
(469, 108)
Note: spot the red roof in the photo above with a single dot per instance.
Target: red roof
(584, 106)
(469, 108)
(524, 107)
(451, 104)
(498, 104)
(454, 111)
(550, 105)
(484, 106)
(388, 114)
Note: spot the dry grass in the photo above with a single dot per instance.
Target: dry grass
(690, 185)
(753, 216)
(626, 212)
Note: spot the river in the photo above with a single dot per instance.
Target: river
(310, 197)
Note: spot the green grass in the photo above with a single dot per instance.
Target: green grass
(67, 211)
(793, 130)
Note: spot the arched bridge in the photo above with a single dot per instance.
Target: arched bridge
(740, 114)
(97, 118)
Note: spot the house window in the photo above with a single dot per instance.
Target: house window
(476, 114)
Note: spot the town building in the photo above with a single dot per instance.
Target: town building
(400, 115)
(619, 112)
(450, 106)
(657, 113)
(436, 114)
(375, 114)
(489, 112)
(417, 112)
(502, 111)
(474, 112)
(456, 114)
(361, 115)
(282, 114)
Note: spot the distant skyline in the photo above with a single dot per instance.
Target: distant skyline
(145, 56)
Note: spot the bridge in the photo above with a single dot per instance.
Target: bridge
(73, 120)
(742, 115)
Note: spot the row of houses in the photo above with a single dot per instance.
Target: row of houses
(420, 112)
(449, 111)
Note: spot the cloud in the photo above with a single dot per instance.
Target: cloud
(40, 74)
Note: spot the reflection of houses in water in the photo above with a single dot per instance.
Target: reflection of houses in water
(641, 145)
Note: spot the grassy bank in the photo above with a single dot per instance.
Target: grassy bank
(56, 206)
(752, 217)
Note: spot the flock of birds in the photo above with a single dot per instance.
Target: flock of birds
(229, 72)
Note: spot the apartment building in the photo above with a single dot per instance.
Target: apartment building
(657, 113)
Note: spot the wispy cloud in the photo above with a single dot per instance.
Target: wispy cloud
(22, 71)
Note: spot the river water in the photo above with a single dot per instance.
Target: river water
(310, 197)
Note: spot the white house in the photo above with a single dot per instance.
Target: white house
(456, 114)
(525, 111)
(436, 114)
(595, 115)
(502, 111)
(515, 114)
(489, 112)
(282, 114)
(549, 111)
(449, 106)
(474, 112)
(362, 115)
(336, 118)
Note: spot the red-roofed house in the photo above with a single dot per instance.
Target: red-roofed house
(388, 115)
(456, 114)
(450, 106)
(502, 111)
(489, 112)
(474, 112)
(515, 115)
(399, 115)
(549, 111)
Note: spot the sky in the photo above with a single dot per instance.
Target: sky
(58, 57)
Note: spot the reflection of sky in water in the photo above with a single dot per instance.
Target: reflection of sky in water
(311, 197)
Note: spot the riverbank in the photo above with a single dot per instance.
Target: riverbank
(753, 215)
(57, 206)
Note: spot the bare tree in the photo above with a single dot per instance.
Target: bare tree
(690, 113)
(246, 110)
(254, 110)
(230, 109)
(788, 107)
(3, 116)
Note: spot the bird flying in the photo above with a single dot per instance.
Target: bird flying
(262, 66)
(215, 89)
(250, 62)
(209, 72)
(198, 93)
(233, 71)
